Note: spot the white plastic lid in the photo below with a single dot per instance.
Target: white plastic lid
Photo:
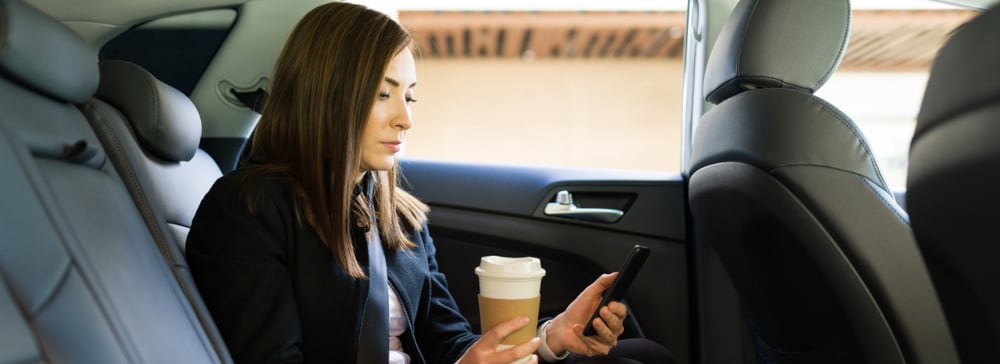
(514, 268)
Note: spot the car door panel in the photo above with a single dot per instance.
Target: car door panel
(479, 210)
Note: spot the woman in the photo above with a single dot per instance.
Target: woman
(280, 248)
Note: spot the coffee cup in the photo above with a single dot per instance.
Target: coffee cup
(509, 288)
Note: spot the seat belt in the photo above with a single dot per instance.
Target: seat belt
(374, 342)
(373, 345)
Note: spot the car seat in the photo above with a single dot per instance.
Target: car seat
(951, 184)
(784, 188)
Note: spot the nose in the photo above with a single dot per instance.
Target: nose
(403, 119)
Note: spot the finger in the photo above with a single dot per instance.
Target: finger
(611, 320)
(604, 333)
(605, 280)
(601, 284)
(492, 338)
(589, 346)
(619, 309)
(518, 351)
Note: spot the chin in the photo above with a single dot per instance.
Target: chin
(382, 165)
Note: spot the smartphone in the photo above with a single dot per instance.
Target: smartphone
(616, 292)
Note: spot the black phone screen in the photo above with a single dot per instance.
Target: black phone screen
(616, 292)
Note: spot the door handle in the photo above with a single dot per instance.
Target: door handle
(564, 207)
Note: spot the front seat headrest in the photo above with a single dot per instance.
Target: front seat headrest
(777, 43)
(45, 55)
(960, 83)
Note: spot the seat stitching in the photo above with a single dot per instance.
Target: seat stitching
(95, 287)
(743, 38)
(150, 88)
(215, 343)
(902, 218)
(51, 295)
(843, 41)
(825, 107)
(152, 224)
(868, 182)
(129, 177)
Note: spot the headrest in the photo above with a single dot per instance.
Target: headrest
(777, 43)
(44, 54)
(964, 75)
(165, 120)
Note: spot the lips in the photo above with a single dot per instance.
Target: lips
(394, 145)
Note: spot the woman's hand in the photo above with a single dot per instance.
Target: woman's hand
(566, 330)
(484, 350)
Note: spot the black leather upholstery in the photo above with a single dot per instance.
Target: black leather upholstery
(155, 130)
(760, 46)
(76, 258)
(952, 189)
(785, 189)
(779, 127)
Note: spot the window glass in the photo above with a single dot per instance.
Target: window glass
(595, 89)
(603, 88)
(175, 49)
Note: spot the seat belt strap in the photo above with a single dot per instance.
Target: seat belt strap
(374, 341)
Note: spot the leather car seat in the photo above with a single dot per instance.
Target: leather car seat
(952, 189)
(82, 277)
(155, 130)
(784, 188)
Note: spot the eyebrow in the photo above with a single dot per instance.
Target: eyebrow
(395, 83)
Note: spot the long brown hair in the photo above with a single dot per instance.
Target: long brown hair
(324, 85)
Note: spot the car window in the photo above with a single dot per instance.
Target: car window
(602, 89)
(598, 89)
(175, 49)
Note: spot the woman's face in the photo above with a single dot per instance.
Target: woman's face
(389, 120)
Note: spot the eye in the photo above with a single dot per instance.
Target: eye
(410, 100)
(383, 95)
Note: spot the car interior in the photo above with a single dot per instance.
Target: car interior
(779, 242)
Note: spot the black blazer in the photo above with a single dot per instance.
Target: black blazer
(277, 293)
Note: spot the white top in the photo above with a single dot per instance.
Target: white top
(397, 326)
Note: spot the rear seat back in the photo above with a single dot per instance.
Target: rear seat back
(76, 258)
(62, 302)
(152, 134)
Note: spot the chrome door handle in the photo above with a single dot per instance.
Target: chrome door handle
(564, 207)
